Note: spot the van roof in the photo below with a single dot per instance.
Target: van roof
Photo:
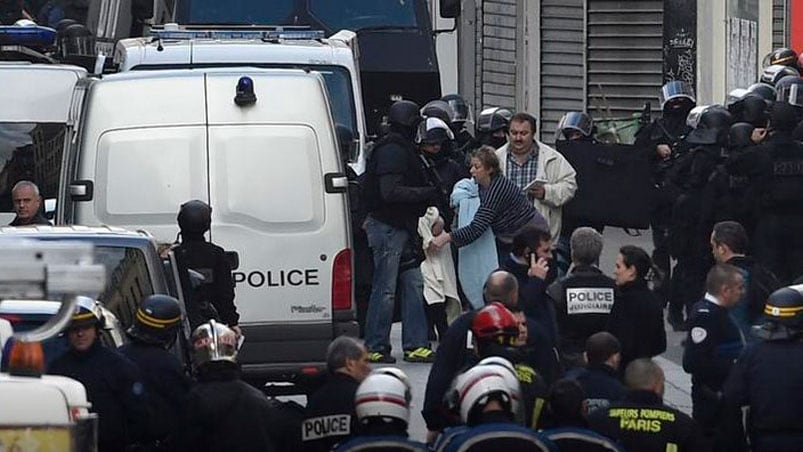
(197, 72)
(153, 52)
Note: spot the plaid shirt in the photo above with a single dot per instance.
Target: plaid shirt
(521, 175)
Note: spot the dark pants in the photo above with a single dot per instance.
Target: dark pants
(659, 223)
(779, 245)
(688, 284)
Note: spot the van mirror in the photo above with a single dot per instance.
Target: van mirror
(234, 259)
(50, 208)
(450, 9)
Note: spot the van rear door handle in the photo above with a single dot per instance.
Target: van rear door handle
(335, 182)
(82, 190)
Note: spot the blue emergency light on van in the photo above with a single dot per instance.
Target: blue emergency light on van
(245, 92)
(27, 36)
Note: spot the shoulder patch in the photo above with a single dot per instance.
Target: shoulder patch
(698, 334)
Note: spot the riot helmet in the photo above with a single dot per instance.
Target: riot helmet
(87, 313)
(693, 118)
(791, 93)
(782, 56)
(194, 217)
(784, 117)
(76, 40)
(214, 342)
(495, 323)
(383, 396)
(438, 109)
(572, 123)
(734, 96)
(763, 90)
(740, 135)
(493, 119)
(713, 127)
(677, 95)
(783, 314)
(462, 113)
(433, 131)
(477, 387)
(157, 321)
(751, 108)
(772, 74)
(404, 113)
(63, 24)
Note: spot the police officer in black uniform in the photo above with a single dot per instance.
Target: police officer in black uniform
(768, 374)
(583, 299)
(222, 411)
(664, 140)
(114, 385)
(712, 345)
(154, 332)
(465, 142)
(779, 244)
(690, 229)
(492, 125)
(641, 422)
(330, 416)
(214, 298)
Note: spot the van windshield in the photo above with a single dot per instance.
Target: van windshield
(332, 14)
(359, 14)
(30, 151)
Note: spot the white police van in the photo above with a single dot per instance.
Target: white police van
(335, 58)
(35, 97)
(259, 146)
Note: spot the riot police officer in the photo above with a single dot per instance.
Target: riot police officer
(690, 226)
(397, 193)
(464, 140)
(224, 412)
(779, 245)
(153, 333)
(664, 140)
(114, 385)
(766, 376)
(214, 298)
(492, 125)
(382, 404)
(433, 137)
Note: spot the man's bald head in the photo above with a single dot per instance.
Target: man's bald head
(502, 286)
(645, 375)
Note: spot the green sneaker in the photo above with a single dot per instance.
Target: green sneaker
(379, 357)
(419, 355)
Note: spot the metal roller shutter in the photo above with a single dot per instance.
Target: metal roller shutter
(496, 79)
(625, 52)
(562, 62)
(780, 24)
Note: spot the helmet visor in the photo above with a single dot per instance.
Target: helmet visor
(462, 112)
(574, 121)
(791, 94)
(676, 90)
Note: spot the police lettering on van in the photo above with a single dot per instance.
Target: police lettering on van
(278, 278)
(589, 300)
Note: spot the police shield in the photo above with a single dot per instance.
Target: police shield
(614, 185)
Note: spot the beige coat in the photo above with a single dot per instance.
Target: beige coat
(560, 186)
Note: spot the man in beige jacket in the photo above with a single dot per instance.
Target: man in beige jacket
(542, 172)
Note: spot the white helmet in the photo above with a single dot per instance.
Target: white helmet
(395, 372)
(213, 341)
(476, 386)
(508, 372)
(383, 395)
(693, 118)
